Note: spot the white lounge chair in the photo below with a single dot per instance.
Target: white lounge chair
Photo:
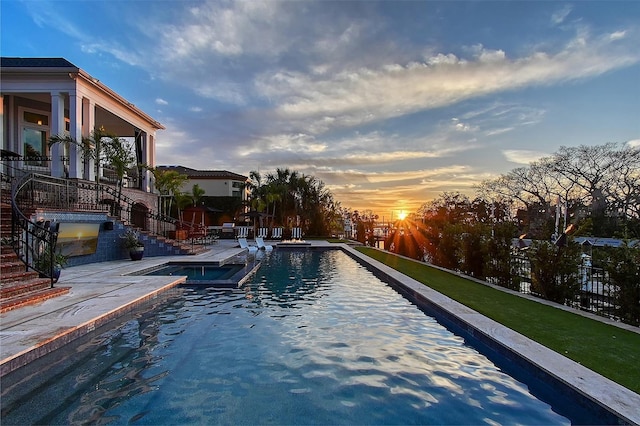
(261, 245)
(245, 245)
(243, 232)
(276, 233)
(262, 233)
(296, 233)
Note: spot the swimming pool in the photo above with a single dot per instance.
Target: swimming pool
(206, 273)
(313, 338)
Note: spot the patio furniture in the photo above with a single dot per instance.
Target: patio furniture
(276, 234)
(262, 246)
(296, 233)
(243, 232)
(263, 232)
(245, 245)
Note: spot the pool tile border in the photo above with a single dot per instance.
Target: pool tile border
(544, 363)
(596, 388)
(67, 335)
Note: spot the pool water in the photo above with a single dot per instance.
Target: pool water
(311, 338)
(203, 272)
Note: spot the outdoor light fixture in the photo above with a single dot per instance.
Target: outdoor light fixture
(562, 239)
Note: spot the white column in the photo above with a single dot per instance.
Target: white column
(5, 142)
(57, 128)
(75, 132)
(144, 140)
(88, 124)
(147, 158)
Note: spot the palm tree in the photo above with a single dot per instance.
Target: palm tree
(168, 182)
(91, 146)
(183, 200)
(120, 156)
(273, 196)
(196, 194)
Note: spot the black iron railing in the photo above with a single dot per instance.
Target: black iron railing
(595, 294)
(35, 242)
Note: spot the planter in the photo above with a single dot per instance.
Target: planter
(56, 273)
(136, 253)
(57, 270)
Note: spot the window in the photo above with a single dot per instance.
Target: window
(35, 132)
(35, 118)
(35, 143)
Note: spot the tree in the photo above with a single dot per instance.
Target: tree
(293, 195)
(103, 149)
(623, 267)
(119, 155)
(168, 183)
(554, 271)
(600, 182)
(196, 194)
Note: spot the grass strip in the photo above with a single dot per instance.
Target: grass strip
(608, 350)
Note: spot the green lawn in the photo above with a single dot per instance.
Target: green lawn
(608, 350)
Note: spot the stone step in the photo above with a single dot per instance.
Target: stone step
(24, 287)
(32, 298)
(11, 265)
(18, 276)
(7, 253)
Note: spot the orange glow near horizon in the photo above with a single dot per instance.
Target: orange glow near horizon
(402, 215)
(407, 239)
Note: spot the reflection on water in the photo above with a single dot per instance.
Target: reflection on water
(313, 338)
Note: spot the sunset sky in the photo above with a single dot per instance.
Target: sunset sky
(389, 103)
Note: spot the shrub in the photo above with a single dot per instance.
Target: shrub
(623, 267)
(554, 271)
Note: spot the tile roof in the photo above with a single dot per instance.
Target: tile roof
(213, 174)
(35, 62)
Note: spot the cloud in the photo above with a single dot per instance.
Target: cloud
(356, 97)
(522, 156)
(335, 90)
(46, 14)
(634, 143)
(618, 35)
(559, 16)
(460, 126)
(406, 190)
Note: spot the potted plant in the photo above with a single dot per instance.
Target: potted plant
(131, 241)
(44, 261)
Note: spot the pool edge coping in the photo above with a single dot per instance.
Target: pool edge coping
(602, 391)
(618, 399)
(71, 333)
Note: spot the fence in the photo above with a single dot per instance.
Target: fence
(596, 294)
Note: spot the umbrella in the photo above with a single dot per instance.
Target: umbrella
(253, 215)
(204, 209)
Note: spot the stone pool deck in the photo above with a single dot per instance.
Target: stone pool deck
(102, 291)
(99, 293)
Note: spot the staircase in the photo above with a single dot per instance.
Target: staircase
(19, 287)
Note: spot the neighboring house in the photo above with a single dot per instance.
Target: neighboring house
(215, 183)
(43, 97)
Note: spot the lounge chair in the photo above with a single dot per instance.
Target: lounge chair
(245, 245)
(296, 233)
(276, 233)
(243, 232)
(261, 245)
(262, 233)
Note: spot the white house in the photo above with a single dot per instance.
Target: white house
(43, 97)
(216, 183)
